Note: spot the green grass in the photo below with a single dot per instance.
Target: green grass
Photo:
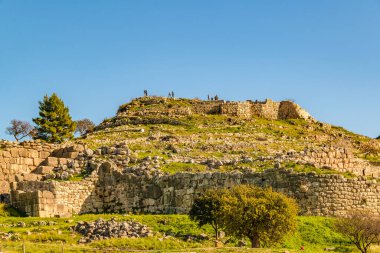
(175, 167)
(314, 233)
(305, 168)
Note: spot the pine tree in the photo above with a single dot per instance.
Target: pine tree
(55, 123)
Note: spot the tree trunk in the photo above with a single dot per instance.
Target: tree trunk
(255, 243)
(215, 227)
(217, 244)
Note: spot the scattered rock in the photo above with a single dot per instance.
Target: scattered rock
(21, 224)
(101, 229)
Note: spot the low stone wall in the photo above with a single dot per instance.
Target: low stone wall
(112, 191)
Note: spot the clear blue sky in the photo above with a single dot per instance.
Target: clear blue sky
(99, 54)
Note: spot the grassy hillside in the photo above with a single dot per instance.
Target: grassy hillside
(184, 143)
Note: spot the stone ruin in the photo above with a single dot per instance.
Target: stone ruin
(156, 110)
(108, 189)
(109, 184)
(36, 161)
(35, 177)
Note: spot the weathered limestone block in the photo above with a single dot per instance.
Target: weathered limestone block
(14, 152)
(31, 177)
(28, 161)
(37, 161)
(6, 154)
(43, 154)
(4, 186)
(71, 155)
(32, 153)
(62, 161)
(44, 169)
(51, 161)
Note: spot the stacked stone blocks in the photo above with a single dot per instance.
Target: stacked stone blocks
(109, 190)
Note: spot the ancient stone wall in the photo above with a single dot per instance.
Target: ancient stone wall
(337, 158)
(242, 109)
(159, 106)
(207, 107)
(32, 160)
(53, 198)
(291, 110)
(112, 191)
(267, 109)
(19, 159)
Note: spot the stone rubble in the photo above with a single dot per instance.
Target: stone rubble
(106, 229)
(10, 236)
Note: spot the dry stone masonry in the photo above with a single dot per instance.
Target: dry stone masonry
(109, 190)
(35, 161)
(19, 160)
(155, 110)
(340, 159)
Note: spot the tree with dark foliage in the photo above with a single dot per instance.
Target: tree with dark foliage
(54, 123)
(206, 209)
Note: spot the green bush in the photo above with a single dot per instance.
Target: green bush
(263, 216)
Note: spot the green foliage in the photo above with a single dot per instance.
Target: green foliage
(207, 209)
(262, 215)
(55, 123)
